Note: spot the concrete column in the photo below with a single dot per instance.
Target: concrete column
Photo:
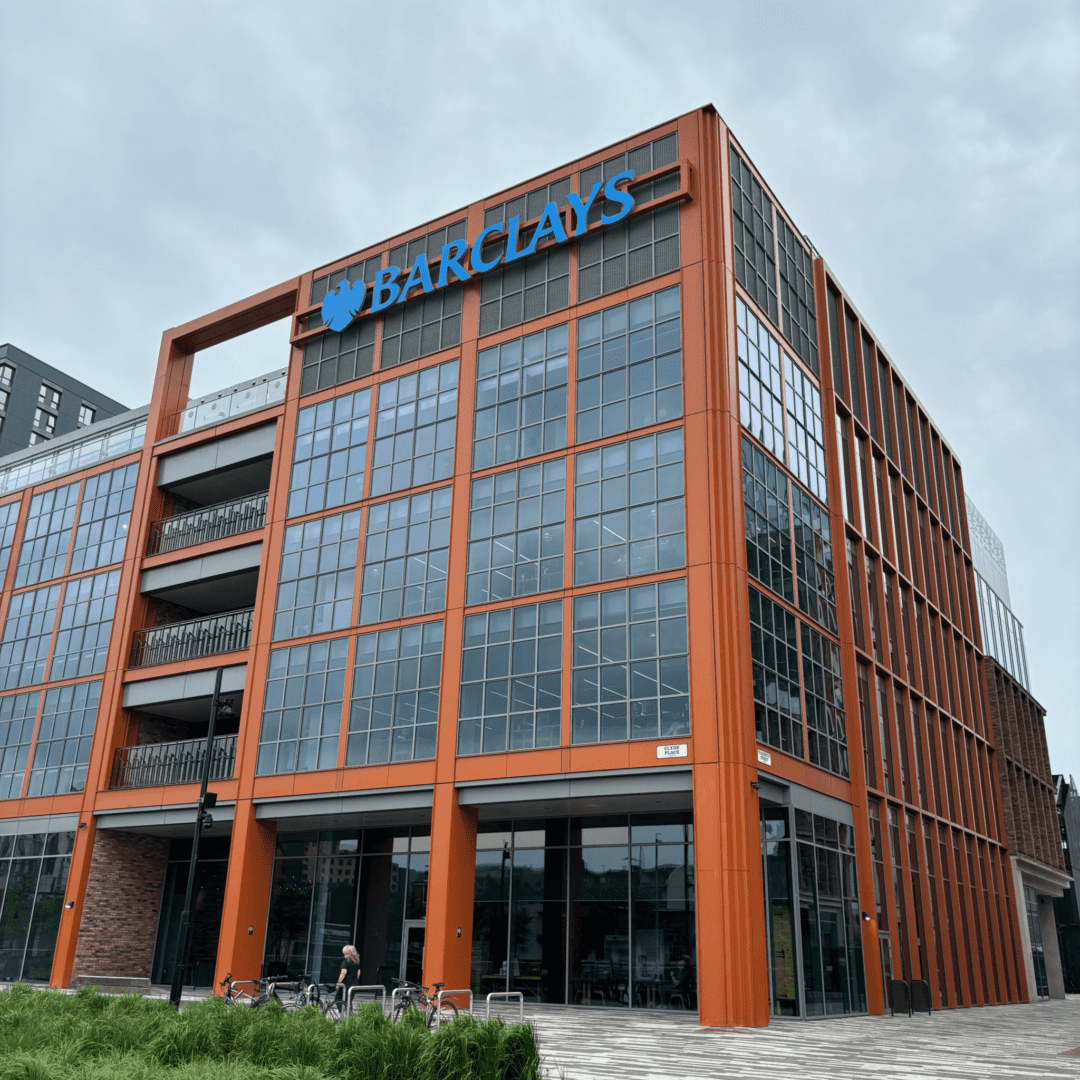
(1055, 979)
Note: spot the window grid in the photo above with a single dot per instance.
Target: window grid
(28, 630)
(17, 715)
(430, 246)
(826, 733)
(813, 560)
(521, 398)
(330, 453)
(630, 664)
(629, 366)
(414, 429)
(752, 226)
(47, 536)
(395, 695)
(9, 522)
(331, 359)
(622, 526)
(516, 533)
(104, 516)
(765, 507)
(421, 326)
(318, 571)
(86, 616)
(775, 665)
(511, 680)
(530, 206)
(806, 431)
(797, 294)
(524, 290)
(641, 247)
(405, 557)
(761, 381)
(305, 686)
(66, 731)
(641, 159)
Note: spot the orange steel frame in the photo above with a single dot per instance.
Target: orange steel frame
(731, 938)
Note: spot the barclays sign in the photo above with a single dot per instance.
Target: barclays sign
(342, 305)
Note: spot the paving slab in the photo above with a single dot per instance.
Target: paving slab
(1006, 1041)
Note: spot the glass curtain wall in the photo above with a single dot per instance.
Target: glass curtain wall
(587, 911)
(207, 901)
(352, 887)
(812, 915)
(33, 876)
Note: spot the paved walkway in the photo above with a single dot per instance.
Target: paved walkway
(1028, 1041)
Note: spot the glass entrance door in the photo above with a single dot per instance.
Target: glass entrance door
(412, 955)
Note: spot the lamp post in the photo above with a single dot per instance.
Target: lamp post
(207, 799)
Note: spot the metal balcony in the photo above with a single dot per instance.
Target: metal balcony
(157, 764)
(207, 636)
(208, 523)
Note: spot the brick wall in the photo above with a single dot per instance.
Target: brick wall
(120, 912)
(1023, 761)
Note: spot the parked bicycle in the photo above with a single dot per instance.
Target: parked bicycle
(415, 996)
(233, 995)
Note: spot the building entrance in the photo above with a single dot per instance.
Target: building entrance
(587, 910)
(412, 954)
(364, 887)
(812, 917)
(206, 905)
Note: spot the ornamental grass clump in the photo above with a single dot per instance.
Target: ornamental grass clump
(89, 1036)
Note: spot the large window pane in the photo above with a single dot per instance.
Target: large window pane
(630, 672)
(521, 398)
(405, 557)
(395, 695)
(516, 527)
(511, 679)
(629, 366)
(629, 515)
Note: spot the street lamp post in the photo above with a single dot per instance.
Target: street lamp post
(207, 799)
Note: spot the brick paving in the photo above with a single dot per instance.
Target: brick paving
(1028, 1041)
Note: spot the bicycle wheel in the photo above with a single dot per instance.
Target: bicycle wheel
(334, 1010)
(441, 1014)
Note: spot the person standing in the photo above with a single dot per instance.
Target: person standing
(350, 970)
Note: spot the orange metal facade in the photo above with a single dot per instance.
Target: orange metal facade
(918, 739)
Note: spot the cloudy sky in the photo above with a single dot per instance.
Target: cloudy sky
(162, 160)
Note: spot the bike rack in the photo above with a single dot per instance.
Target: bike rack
(248, 982)
(507, 995)
(453, 994)
(398, 991)
(372, 988)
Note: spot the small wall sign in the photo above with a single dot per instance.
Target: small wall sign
(764, 757)
(671, 750)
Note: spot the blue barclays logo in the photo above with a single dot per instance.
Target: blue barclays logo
(342, 306)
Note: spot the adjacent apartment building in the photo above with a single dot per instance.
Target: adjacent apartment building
(39, 402)
(596, 604)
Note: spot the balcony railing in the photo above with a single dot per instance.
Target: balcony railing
(208, 523)
(172, 763)
(196, 637)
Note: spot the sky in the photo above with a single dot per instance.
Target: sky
(162, 160)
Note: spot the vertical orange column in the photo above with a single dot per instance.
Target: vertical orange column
(242, 939)
(733, 987)
(75, 893)
(451, 876)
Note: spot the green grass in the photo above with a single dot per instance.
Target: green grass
(89, 1036)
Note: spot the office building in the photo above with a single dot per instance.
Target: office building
(1029, 798)
(1067, 906)
(596, 605)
